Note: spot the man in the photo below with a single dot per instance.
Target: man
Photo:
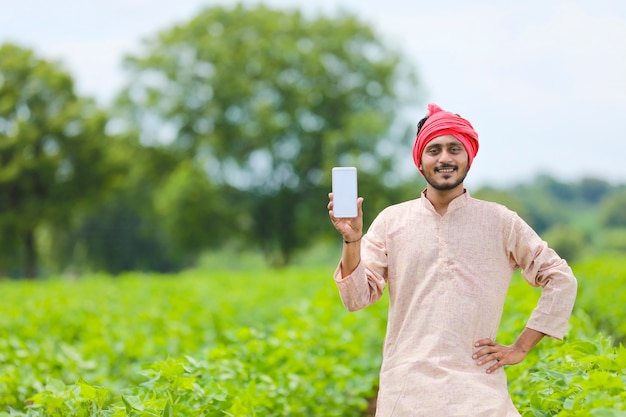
(447, 260)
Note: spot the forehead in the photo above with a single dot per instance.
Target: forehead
(445, 140)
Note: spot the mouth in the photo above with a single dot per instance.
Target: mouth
(445, 170)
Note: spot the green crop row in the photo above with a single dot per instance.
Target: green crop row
(601, 295)
(268, 343)
(584, 375)
(265, 343)
(287, 372)
(576, 378)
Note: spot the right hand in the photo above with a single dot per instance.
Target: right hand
(350, 228)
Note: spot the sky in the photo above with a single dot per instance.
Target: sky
(543, 82)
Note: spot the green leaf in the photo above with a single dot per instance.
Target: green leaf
(167, 411)
(607, 412)
(133, 402)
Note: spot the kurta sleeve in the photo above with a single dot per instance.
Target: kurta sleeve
(543, 267)
(365, 285)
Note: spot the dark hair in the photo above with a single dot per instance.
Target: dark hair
(420, 124)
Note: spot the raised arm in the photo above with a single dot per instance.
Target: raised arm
(351, 230)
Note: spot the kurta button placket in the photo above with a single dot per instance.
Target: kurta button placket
(443, 237)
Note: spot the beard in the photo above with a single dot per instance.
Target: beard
(445, 186)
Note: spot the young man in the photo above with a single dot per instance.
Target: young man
(447, 260)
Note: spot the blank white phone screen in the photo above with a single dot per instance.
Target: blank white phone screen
(344, 192)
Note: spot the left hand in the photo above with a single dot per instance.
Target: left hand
(502, 355)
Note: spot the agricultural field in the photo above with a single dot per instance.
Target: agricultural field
(252, 341)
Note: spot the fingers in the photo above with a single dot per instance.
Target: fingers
(482, 359)
(495, 363)
(488, 347)
(485, 342)
(499, 364)
(483, 356)
(491, 352)
(359, 206)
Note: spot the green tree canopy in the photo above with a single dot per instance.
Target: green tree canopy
(52, 150)
(190, 207)
(267, 102)
(569, 243)
(613, 210)
(593, 190)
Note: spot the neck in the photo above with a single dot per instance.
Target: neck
(440, 199)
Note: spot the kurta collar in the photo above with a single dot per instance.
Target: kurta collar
(455, 204)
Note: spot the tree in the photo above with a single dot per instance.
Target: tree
(568, 242)
(125, 232)
(52, 150)
(191, 210)
(593, 190)
(613, 212)
(542, 208)
(558, 190)
(268, 101)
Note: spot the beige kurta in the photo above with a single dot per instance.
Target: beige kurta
(447, 279)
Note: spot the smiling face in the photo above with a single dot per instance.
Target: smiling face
(445, 163)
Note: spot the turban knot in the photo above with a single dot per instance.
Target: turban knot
(440, 123)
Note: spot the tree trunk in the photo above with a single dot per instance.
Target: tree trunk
(30, 255)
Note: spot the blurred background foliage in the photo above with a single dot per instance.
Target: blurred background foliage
(224, 137)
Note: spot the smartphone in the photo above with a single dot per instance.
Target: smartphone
(344, 192)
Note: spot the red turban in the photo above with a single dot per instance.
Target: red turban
(440, 123)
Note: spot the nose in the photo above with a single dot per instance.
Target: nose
(445, 156)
